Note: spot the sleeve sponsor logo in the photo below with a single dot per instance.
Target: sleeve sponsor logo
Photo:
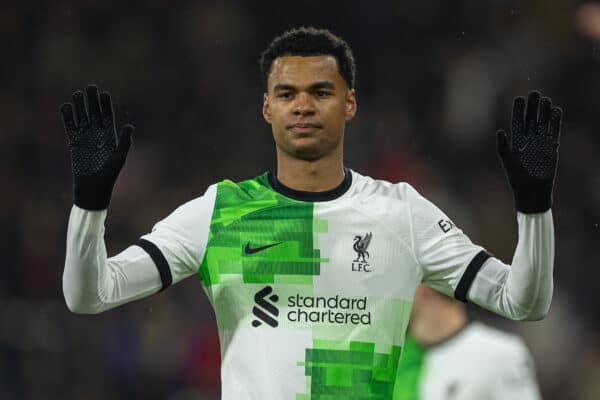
(446, 225)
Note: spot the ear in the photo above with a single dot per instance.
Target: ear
(266, 111)
(350, 109)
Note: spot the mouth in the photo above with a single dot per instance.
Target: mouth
(303, 127)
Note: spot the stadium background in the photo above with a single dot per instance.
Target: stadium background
(435, 80)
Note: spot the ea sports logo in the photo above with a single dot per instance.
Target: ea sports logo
(265, 311)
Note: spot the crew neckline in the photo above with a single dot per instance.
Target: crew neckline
(301, 195)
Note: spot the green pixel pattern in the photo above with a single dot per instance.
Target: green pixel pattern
(410, 371)
(355, 372)
(252, 214)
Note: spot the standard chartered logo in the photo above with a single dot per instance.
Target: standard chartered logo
(263, 310)
(331, 310)
(311, 309)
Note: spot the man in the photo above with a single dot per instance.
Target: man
(311, 269)
(446, 357)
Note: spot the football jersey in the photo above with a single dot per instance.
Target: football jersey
(479, 363)
(312, 292)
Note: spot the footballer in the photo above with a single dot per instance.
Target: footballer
(311, 267)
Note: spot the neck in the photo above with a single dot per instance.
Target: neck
(310, 176)
(438, 323)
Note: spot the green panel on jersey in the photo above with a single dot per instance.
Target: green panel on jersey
(356, 372)
(260, 235)
(410, 371)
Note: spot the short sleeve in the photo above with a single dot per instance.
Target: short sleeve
(177, 243)
(448, 258)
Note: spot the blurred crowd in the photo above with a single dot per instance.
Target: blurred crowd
(435, 80)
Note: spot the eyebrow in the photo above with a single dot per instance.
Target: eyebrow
(314, 86)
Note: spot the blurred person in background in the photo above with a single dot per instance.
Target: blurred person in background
(448, 357)
(311, 268)
(587, 20)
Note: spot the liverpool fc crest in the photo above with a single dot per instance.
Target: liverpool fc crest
(361, 244)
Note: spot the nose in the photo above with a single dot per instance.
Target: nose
(303, 105)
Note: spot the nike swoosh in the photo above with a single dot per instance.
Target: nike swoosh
(249, 250)
(101, 144)
(522, 148)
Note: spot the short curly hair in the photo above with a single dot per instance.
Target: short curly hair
(310, 41)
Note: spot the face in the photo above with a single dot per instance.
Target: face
(307, 104)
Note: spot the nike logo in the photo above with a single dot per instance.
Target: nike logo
(522, 148)
(250, 250)
(100, 145)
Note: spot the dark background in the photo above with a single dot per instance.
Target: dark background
(435, 80)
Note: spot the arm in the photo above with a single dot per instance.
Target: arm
(453, 265)
(524, 290)
(92, 282)
(456, 267)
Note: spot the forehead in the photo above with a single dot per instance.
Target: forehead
(303, 71)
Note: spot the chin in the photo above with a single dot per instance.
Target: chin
(307, 149)
(307, 153)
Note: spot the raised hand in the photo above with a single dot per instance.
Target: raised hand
(97, 155)
(530, 153)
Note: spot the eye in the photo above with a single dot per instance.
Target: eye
(284, 95)
(322, 93)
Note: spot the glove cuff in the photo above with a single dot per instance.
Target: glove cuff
(533, 202)
(91, 194)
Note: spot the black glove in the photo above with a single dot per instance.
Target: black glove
(530, 155)
(96, 155)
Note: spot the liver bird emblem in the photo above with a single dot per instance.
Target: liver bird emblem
(360, 246)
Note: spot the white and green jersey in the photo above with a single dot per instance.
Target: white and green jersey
(312, 292)
(479, 363)
(312, 295)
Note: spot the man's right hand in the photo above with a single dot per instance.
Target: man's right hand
(97, 156)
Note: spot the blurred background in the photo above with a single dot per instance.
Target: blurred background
(435, 80)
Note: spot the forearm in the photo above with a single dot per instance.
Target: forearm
(92, 283)
(523, 290)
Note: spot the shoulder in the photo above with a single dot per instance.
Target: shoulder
(399, 196)
(245, 189)
(395, 202)
(501, 339)
(190, 211)
(495, 345)
(387, 202)
(485, 351)
(366, 186)
(223, 194)
(502, 362)
(486, 363)
(255, 190)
